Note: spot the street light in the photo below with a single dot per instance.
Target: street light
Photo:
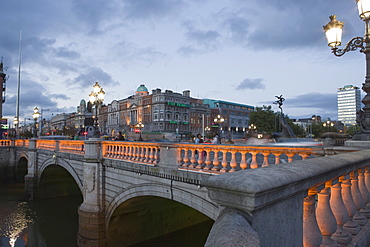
(333, 32)
(35, 116)
(96, 98)
(139, 126)
(328, 124)
(219, 120)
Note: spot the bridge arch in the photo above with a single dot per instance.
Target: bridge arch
(196, 202)
(63, 163)
(22, 154)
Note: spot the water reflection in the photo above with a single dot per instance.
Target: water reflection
(42, 223)
(15, 218)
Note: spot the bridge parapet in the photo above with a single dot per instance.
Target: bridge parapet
(316, 202)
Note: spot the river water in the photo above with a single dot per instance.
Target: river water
(42, 223)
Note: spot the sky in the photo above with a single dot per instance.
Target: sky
(242, 51)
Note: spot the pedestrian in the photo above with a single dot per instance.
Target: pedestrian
(119, 137)
(199, 139)
(216, 139)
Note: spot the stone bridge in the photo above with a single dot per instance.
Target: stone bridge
(290, 200)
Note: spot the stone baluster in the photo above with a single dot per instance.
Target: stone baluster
(151, 156)
(342, 236)
(311, 233)
(364, 192)
(233, 163)
(254, 163)
(207, 161)
(224, 161)
(304, 155)
(358, 200)
(142, 155)
(243, 162)
(216, 162)
(131, 153)
(121, 151)
(186, 158)
(367, 183)
(126, 153)
(277, 157)
(265, 159)
(200, 159)
(137, 153)
(115, 151)
(325, 217)
(193, 159)
(156, 155)
(107, 151)
(352, 226)
(290, 156)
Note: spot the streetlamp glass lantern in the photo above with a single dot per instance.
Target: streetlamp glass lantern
(363, 9)
(333, 31)
(36, 113)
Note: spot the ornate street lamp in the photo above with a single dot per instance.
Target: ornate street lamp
(139, 126)
(328, 124)
(96, 98)
(333, 32)
(35, 116)
(219, 120)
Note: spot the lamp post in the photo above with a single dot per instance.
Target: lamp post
(35, 116)
(15, 122)
(252, 127)
(96, 98)
(219, 120)
(139, 126)
(333, 32)
(207, 129)
(328, 124)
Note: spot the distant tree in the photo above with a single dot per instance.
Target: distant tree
(265, 119)
(353, 129)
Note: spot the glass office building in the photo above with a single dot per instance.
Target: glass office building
(349, 102)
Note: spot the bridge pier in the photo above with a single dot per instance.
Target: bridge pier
(92, 230)
(30, 180)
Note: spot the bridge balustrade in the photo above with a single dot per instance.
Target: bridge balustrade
(68, 146)
(4, 143)
(147, 153)
(226, 158)
(22, 143)
(46, 144)
(310, 202)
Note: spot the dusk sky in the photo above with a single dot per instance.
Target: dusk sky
(242, 51)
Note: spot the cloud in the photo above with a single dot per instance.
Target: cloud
(327, 101)
(201, 41)
(141, 9)
(251, 84)
(90, 76)
(238, 28)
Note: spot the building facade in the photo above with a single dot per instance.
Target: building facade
(236, 116)
(349, 102)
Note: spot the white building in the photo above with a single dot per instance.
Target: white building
(349, 102)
